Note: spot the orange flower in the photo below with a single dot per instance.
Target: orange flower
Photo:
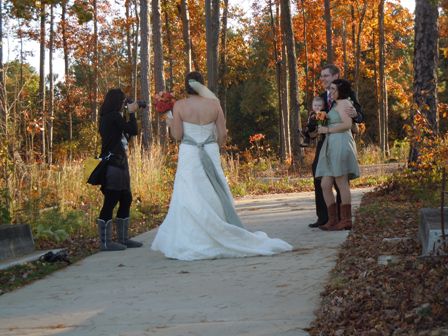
(321, 116)
(256, 137)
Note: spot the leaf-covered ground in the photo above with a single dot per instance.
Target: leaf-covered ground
(406, 296)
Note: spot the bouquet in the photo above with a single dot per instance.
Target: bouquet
(164, 102)
(321, 118)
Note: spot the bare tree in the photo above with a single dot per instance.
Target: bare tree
(186, 34)
(169, 40)
(159, 80)
(67, 75)
(294, 122)
(42, 78)
(2, 76)
(358, 44)
(212, 38)
(223, 59)
(425, 65)
(135, 49)
(95, 62)
(144, 73)
(383, 101)
(328, 31)
(51, 98)
(278, 72)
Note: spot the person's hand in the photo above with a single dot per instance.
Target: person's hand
(133, 107)
(351, 111)
(322, 129)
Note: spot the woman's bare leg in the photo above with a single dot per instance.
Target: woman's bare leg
(344, 189)
(326, 184)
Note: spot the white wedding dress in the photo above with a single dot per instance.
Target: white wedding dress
(195, 226)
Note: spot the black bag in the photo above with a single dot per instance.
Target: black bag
(98, 176)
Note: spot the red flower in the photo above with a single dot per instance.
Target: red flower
(256, 137)
(163, 101)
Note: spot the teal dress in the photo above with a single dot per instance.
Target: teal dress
(338, 154)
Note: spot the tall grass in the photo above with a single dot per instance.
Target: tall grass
(57, 202)
(40, 195)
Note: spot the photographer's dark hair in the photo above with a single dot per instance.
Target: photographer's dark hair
(197, 77)
(344, 88)
(113, 101)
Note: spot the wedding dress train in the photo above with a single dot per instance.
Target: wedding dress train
(201, 222)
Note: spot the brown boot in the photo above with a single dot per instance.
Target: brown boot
(332, 217)
(346, 219)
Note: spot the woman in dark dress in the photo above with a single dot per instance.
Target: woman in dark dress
(115, 132)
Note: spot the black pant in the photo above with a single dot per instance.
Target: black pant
(321, 207)
(111, 199)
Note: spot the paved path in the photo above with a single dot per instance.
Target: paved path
(138, 292)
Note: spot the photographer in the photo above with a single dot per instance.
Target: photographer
(115, 132)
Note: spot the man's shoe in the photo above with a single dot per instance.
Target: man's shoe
(315, 225)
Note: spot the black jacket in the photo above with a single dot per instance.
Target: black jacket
(112, 126)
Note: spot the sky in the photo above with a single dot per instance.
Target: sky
(58, 64)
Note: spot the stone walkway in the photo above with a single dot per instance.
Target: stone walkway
(138, 292)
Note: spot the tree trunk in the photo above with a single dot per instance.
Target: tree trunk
(95, 62)
(308, 99)
(186, 35)
(67, 77)
(328, 31)
(2, 76)
(135, 54)
(144, 73)
(42, 79)
(212, 38)
(375, 79)
(282, 135)
(159, 80)
(127, 5)
(223, 59)
(294, 122)
(284, 92)
(425, 66)
(169, 82)
(344, 48)
(51, 98)
(382, 79)
(358, 45)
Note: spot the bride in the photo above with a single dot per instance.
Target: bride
(202, 222)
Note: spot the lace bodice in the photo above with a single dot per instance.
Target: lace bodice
(199, 132)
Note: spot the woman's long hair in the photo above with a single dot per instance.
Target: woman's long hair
(113, 101)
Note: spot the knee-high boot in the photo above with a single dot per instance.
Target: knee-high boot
(332, 217)
(346, 219)
(122, 225)
(105, 233)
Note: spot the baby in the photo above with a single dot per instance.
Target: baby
(317, 105)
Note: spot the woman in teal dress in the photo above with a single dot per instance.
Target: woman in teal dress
(338, 159)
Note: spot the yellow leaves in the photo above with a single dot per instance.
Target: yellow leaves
(444, 52)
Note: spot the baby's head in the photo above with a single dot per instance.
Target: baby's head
(318, 104)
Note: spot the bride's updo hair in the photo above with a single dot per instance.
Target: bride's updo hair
(197, 77)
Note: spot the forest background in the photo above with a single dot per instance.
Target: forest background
(265, 68)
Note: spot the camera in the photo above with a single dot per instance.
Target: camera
(140, 103)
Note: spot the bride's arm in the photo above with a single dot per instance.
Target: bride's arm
(175, 125)
(221, 126)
